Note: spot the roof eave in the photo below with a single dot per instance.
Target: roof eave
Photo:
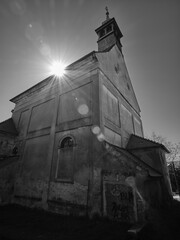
(46, 80)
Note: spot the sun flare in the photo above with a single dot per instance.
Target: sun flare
(57, 68)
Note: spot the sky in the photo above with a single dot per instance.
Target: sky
(34, 33)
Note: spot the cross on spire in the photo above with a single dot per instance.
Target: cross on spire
(107, 13)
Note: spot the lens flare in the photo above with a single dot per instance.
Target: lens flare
(83, 109)
(57, 68)
(96, 130)
(101, 137)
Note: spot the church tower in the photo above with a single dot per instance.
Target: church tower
(109, 34)
(119, 108)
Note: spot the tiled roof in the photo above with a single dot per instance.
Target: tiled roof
(137, 142)
(8, 127)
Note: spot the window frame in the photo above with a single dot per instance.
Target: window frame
(59, 159)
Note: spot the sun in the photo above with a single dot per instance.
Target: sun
(57, 68)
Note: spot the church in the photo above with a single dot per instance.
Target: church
(75, 144)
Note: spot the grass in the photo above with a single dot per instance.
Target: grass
(23, 223)
(163, 224)
(17, 222)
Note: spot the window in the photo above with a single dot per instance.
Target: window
(67, 142)
(102, 33)
(65, 167)
(109, 29)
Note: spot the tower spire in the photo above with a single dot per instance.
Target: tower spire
(107, 13)
(109, 33)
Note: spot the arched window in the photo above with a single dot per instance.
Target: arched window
(65, 165)
(109, 29)
(67, 142)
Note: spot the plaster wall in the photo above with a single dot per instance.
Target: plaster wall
(75, 104)
(45, 119)
(22, 123)
(72, 191)
(34, 171)
(114, 68)
(41, 116)
(117, 114)
(138, 127)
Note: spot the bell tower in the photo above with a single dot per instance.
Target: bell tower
(108, 33)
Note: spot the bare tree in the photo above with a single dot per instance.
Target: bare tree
(173, 160)
(174, 148)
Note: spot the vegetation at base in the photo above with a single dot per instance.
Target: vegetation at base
(25, 224)
(21, 223)
(162, 224)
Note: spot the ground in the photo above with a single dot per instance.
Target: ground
(19, 223)
(22, 223)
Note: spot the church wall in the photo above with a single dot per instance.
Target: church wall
(72, 195)
(22, 123)
(32, 178)
(75, 106)
(41, 116)
(138, 130)
(81, 137)
(127, 122)
(71, 187)
(117, 115)
(113, 66)
(55, 88)
(34, 118)
(44, 122)
(28, 114)
(35, 164)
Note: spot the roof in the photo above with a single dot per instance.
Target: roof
(47, 80)
(32, 89)
(107, 22)
(137, 142)
(152, 172)
(8, 127)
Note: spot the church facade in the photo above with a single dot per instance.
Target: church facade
(78, 145)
